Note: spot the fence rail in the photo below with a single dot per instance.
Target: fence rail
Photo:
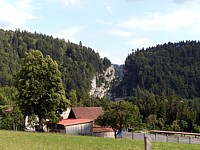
(162, 137)
(174, 133)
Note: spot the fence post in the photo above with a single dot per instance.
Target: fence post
(178, 139)
(190, 140)
(132, 135)
(167, 137)
(155, 136)
(147, 143)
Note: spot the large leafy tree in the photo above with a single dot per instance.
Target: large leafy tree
(40, 88)
(122, 115)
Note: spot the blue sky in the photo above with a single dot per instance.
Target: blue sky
(111, 27)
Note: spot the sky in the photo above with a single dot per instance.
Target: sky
(113, 28)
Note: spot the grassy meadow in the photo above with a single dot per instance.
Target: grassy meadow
(12, 140)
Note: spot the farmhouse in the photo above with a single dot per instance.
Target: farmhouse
(76, 121)
(80, 121)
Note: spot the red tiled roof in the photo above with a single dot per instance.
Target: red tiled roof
(74, 121)
(98, 129)
(86, 112)
(10, 109)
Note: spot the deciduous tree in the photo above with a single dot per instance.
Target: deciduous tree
(40, 88)
(122, 115)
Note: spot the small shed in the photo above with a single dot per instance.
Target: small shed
(103, 131)
(73, 126)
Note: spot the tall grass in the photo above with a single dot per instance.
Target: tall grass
(12, 140)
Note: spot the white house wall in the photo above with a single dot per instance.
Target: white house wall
(27, 126)
(65, 114)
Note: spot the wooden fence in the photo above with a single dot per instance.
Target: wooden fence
(165, 136)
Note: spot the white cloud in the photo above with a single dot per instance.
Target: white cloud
(121, 33)
(168, 22)
(68, 34)
(71, 2)
(15, 15)
(104, 22)
(109, 9)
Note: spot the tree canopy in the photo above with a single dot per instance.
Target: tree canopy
(163, 112)
(40, 88)
(163, 82)
(78, 63)
(122, 115)
(168, 67)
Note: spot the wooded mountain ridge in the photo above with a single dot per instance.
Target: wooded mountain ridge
(164, 83)
(78, 64)
(164, 68)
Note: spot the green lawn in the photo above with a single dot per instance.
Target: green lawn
(11, 140)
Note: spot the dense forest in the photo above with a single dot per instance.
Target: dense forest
(163, 82)
(165, 68)
(78, 64)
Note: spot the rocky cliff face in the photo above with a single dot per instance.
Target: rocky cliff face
(101, 83)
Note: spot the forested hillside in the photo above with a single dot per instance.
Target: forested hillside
(78, 64)
(165, 68)
(164, 83)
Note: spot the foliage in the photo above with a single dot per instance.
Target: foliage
(11, 120)
(40, 88)
(152, 121)
(7, 95)
(162, 112)
(168, 67)
(78, 64)
(196, 128)
(163, 82)
(105, 103)
(175, 126)
(122, 115)
(72, 96)
(32, 121)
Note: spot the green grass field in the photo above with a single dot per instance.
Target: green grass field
(12, 140)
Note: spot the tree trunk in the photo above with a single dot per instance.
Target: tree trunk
(24, 120)
(115, 131)
(115, 134)
(40, 125)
